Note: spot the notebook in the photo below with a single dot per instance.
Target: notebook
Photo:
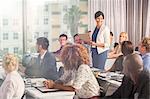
(45, 90)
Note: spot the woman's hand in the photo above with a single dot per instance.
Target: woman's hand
(49, 83)
(93, 43)
(97, 44)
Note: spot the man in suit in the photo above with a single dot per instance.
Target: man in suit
(63, 40)
(45, 64)
(136, 82)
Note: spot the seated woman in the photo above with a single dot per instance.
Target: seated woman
(117, 50)
(126, 48)
(136, 82)
(144, 48)
(77, 76)
(13, 85)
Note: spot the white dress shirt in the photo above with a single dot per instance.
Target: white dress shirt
(13, 86)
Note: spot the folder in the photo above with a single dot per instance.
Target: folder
(85, 37)
(45, 90)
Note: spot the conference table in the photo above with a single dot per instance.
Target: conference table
(32, 91)
(114, 78)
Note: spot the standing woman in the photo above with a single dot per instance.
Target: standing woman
(100, 42)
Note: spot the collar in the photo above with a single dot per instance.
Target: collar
(146, 55)
(43, 55)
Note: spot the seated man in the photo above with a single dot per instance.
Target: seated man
(63, 41)
(77, 39)
(136, 82)
(45, 64)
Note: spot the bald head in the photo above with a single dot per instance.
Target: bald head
(132, 63)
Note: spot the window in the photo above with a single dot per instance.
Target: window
(46, 8)
(37, 22)
(5, 22)
(5, 50)
(15, 22)
(46, 34)
(36, 35)
(23, 21)
(56, 13)
(45, 20)
(5, 36)
(15, 36)
(16, 49)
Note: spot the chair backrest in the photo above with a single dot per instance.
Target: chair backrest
(23, 97)
(104, 84)
(1, 81)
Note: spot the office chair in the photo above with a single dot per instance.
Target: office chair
(104, 84)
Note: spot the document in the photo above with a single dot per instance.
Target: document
(85, 37)
(37, 82)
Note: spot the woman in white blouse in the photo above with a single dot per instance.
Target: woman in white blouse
(13, 85)
(100, 41)
(77, 76)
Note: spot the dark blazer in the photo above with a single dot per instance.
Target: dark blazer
(117, 66)
(43, 68)
(128, 90)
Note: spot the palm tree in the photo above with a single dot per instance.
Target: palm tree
(72, 19)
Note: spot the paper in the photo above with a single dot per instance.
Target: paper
(37, 82)
(85, 37)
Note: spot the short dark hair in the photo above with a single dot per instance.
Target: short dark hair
(127, 48)
(111, 33)
(43, 41)
(115, 44)
(99, 13)
(63, 35)
(75, 35)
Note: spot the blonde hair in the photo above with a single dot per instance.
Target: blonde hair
(10, 62)
(126, 35)
(73, 56)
